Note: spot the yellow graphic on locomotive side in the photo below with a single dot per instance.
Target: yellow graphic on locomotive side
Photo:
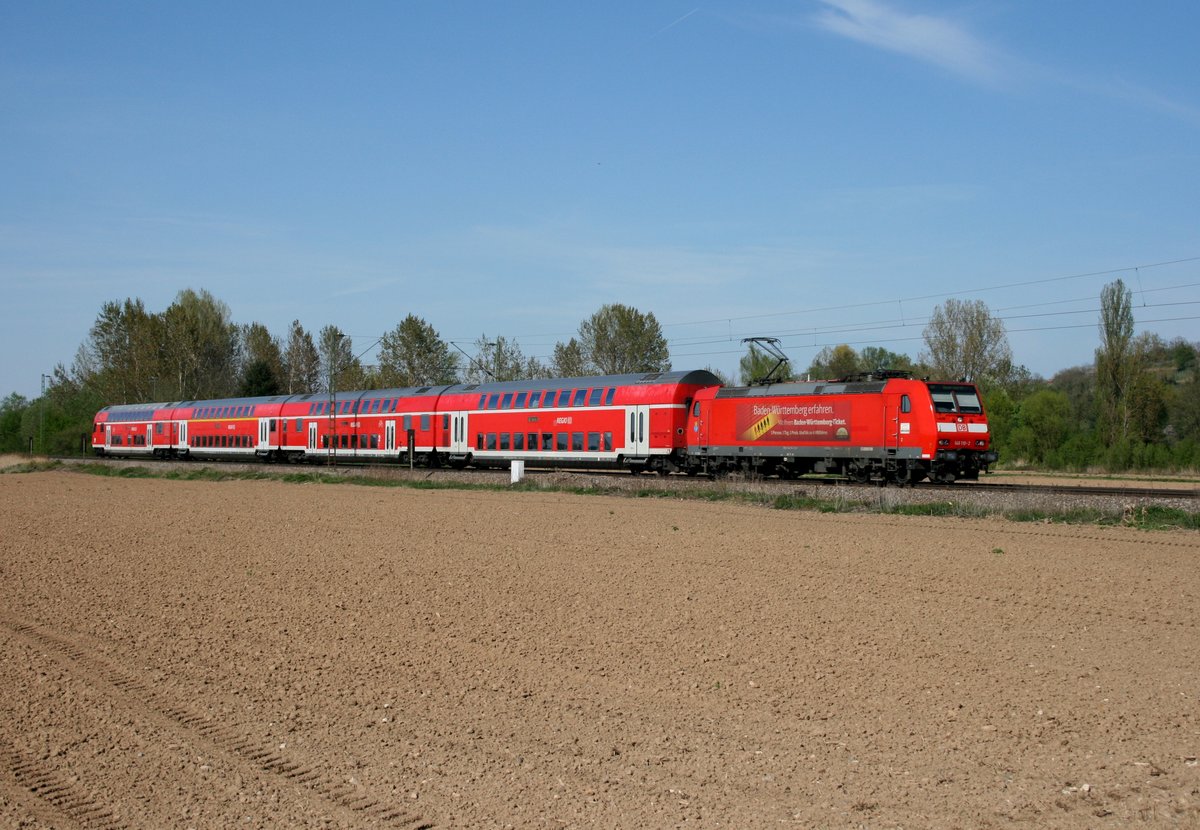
(760, 427)
(794, 421)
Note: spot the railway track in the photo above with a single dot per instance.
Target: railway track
(1191, 493)
(1092, 490)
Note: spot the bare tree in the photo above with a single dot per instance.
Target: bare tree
(964, 340)
(302, 363)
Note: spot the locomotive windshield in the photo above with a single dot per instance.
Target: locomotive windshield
(955, 397)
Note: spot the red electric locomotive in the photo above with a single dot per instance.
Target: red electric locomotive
(882, 427)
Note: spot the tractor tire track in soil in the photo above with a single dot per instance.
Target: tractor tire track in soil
(210, 654)
(122, 683)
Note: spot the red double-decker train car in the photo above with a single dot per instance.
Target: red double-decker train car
(636, 420)
(887, 427)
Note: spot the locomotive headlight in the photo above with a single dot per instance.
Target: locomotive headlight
(980, 442)
(943, 442)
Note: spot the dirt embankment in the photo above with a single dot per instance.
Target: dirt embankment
(197, 654)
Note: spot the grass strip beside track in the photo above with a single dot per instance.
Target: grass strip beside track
(1145, 517)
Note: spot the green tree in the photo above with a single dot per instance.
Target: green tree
(123, 355)
(301, 362)
(619, 339)
(569, 360)
(756, 363)
(873, 358)
(1043, 424)
(12, 410)
(834, 362)
(262, 360)
(1078, 383)
(964, 340)
(1116, 362)
(413, 354)
(340, 369)
(259, 379)
(202, 347)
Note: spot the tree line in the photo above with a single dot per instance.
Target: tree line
(193, 350)
(1136, 406)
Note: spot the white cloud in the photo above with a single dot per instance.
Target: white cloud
(935, 40)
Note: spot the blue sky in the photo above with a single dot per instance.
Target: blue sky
(821, 170)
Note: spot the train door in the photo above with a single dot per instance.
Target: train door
(389, 437)
(264, 433)
(700, 416)
(638, 435)
(312, 436)
(107, 436)
(181, 430)
(458, 434)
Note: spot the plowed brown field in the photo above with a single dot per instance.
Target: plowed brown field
(260, 654)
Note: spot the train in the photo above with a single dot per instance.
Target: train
(884, 427)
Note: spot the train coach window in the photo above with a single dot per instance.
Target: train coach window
(483, 401)
(504, 440)
(479, 440)
(519, 401)
(493, 400)
(608, 442)
(905, 404)
(506, 401)
(298, 425)
(518, 440)
(561, 442)
(407, 423)
(532, 441)
(425, 423)
(580, 394)
(158, 429)
(547, 441)
(577, 441)
(593, 442)
(608, 398)
(535, 399)
(491, 440)
(595, 396)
